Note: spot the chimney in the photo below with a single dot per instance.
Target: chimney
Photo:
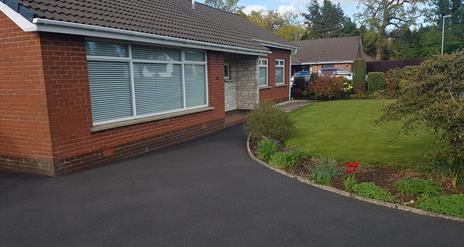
(193, 4)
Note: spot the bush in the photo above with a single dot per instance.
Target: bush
(397, 79)
(392, 82)
(434, 95)
(324, 171)
(350, 182)
(326, 87)
(359, 75)
(267, 148)
(450, 205)
(417, 186)
(375, 81)
(288, 160)
(269, 121)
(372, 191)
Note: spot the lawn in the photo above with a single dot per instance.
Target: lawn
(344, 130)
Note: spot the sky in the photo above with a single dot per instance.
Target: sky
(296, 6)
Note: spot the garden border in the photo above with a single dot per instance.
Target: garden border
(348, 194)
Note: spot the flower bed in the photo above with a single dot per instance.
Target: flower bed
(406, 187)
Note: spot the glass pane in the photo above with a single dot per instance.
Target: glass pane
(110, 90)
(106, 49)
(279, 73)
(195, 85)
(158, 87)
(194, 56)
(263, 76)
(155, 53)
(226, 71)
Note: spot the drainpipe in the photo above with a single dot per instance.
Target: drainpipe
(193, 4)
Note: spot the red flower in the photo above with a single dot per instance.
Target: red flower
(351, 167)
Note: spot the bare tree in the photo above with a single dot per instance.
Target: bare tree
(380, 15)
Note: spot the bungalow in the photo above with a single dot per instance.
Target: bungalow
(315, 54)
(86, 82)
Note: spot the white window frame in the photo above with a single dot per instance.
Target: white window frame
(261, 65)
(280, 63)
(228, 71)
(131, 62)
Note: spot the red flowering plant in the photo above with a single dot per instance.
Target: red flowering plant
(351, 169)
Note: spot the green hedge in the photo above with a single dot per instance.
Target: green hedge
(375, 81)
(359, 75)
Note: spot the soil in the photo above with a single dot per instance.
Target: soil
(384, 177)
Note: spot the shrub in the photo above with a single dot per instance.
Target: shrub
(350, 182)
(434, 95)
(397, 79)
(359, 75)
(392, 82)
(288, 160)
(268, 120)
(372, 191)
(324, 171)
(375, 81)
(266, 148)
(450, 205)
(417, 186)
(326, 87)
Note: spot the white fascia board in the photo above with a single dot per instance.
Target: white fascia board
(52, 26)
(276, 45)
(18, 19)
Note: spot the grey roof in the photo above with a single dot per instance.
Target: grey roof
(327, 50)
(172, 18)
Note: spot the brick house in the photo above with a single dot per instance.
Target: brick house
(315, 54)
(86, 82)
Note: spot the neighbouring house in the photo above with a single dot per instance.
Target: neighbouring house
(315, 54)
(87, 82)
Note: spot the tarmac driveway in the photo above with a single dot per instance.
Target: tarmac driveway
(206, 192)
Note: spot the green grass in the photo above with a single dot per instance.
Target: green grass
(345, 131)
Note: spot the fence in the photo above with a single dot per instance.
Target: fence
(384, 66)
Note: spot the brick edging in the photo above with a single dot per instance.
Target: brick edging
(348, 194)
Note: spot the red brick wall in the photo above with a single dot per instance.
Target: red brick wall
(273, 93)
(25, 144)
(65, 68)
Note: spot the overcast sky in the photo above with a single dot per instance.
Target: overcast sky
(298, 6)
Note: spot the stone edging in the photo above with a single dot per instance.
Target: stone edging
(348, 194)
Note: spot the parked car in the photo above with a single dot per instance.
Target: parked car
(306, 75)
(336, 72)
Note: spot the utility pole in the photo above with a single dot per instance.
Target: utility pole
(443, 33)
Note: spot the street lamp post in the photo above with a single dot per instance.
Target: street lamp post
(443, 33)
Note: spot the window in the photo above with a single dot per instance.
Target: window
(328, 65)
(262, 64)
(226, 71)
(280, 71)
(134, 81)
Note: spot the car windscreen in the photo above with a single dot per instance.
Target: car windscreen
(302, 73)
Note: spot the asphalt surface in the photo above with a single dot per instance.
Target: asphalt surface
(206, 192)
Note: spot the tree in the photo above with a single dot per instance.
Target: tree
(455, 28)
(434, 96)
(282, 24)
(380, 15)
(227, 5)
(327, 21)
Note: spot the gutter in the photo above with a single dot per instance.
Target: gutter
(45, 25)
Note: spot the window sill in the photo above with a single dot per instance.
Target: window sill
(264, 87)
(228, 80)
(280, 85)
(149, 119)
